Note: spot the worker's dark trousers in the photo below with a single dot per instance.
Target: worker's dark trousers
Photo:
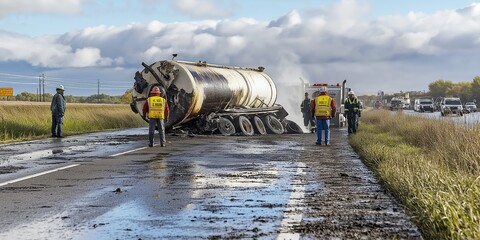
(308, 119)
(352, 120)
(57, 124)
(161, 130)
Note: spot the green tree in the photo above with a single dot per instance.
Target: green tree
(440, 88)
(127, 96)
(461, 90)
(70, 99)
(476, 88)
(26, 96)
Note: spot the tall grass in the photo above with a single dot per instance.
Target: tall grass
(24, 122)
(431, 166)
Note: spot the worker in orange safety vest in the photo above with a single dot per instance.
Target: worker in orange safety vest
(156, 110)
(323, 109)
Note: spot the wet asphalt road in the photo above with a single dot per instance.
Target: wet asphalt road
(201, 187)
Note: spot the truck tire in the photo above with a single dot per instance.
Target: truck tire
(226, 127)
(273, 125)
(243, 125)
(292, 127)
(258, 125)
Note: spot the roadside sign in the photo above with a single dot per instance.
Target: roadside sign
(6, 92)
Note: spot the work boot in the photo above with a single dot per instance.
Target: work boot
(327, 144)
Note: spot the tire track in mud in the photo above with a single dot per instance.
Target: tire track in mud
(348, 202)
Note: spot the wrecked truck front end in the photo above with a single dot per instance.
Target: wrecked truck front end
(204, 97)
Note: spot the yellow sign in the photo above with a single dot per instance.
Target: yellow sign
(6, 92)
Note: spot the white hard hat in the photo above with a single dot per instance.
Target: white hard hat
(322, 89)
(351, 93)
(61, 87)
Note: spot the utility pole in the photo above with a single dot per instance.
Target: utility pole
(39, 90)
(43, 86)
(98, 90)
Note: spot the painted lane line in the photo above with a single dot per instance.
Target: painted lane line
(38, 174)
(293, 214)
(118, 154)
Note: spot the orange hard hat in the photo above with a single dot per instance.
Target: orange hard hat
(155, 90)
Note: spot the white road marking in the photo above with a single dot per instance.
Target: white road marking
(118, 154)
(37, 174)
(294, 212)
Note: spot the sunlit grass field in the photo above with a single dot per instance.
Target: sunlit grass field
(431, 166)
(25, 121)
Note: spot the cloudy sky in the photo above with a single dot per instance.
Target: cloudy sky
(375, 44)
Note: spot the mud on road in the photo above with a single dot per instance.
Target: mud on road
(208, 187)
(330, 192)
(349, 203)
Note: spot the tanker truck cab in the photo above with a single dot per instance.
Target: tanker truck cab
(208, 98)
(337, 92)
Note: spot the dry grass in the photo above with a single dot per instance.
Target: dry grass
(31, 121)
(431, 166)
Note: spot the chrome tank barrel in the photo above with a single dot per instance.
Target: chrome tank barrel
(193, 89)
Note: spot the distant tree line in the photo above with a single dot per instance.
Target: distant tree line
(102, 98)
(466, 91)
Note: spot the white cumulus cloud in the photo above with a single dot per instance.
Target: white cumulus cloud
(320, 45)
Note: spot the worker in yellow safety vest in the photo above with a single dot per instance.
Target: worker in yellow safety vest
(353, 110)
(156, 110)
(323, 109)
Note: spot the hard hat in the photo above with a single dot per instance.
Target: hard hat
(61, 87)
(322, 89)
(155, 90)
(351, 93)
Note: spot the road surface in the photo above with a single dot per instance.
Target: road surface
(110, 186)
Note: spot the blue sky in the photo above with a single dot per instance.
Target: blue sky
(375, 44)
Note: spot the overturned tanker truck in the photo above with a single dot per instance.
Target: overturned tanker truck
(207, 98)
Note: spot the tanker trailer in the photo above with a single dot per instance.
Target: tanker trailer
(205, 98)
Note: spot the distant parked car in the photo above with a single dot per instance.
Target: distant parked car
(396, 104)
(450, 106)
(470, 107)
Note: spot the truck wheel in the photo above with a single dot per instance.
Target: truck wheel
(258, 125)
(226, 127)
(244, 126)
(273, 125)
(292, 127)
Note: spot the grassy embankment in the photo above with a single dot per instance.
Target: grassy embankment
(431, 166)
(32, 121)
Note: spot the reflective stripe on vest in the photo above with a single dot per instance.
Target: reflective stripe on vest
(351, 102)
(156, 107)
(323, 106)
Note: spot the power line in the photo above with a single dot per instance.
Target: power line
(58, 79)
(66, 85)
(24, 83)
